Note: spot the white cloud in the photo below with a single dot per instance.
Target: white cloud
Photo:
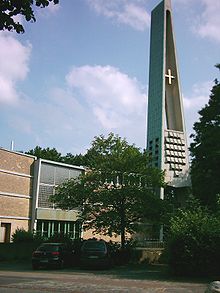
(209, 22)
(8, 94)
(112, 95)
(199, 97)
(203, 16)
(58, 120)
(132, 13)
(95, 100)
(206, 23)
(14, 59)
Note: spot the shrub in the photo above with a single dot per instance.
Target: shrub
(21, 235)
(38, 238)
(60, 238)
(194, 242)
(121, 256)
(17, 251)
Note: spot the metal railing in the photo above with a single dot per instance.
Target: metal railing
(150, 244)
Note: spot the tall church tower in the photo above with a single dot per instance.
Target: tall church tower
(166, 136)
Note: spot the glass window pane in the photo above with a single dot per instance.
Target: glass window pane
(47, 174)
(44, 194)
(62, 174)
(74, 173)
(39, 227)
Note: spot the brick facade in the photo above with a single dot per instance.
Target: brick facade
(16, 181)
(25, 186)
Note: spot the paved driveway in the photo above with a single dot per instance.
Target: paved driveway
(20, 279)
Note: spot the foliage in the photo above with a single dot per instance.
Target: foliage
(47, 153)
(38, 237)
(21, 235)
(122, 256)
(9, 9)
(194, 240)
(78, 160)
(53, 155)
(17, 251)
(117, 192)
(205, 151)
(60, 238)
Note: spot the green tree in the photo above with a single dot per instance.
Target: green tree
(21, 235)
(205, 150)
(11, 8)
(46, 153)
(194, 240)
(53, 155)
(78, 160)
(117, 192)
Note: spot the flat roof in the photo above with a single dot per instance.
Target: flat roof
(62, 164)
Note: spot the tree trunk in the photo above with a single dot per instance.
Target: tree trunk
(122, 213)
(122, 237)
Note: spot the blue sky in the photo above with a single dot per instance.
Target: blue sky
(82, 70)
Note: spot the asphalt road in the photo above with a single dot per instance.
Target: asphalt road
(20, 278)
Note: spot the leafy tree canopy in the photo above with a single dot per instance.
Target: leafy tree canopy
(117, 192)
(53, 155)
(194, 240)
(205, 150)
(45, 153)
(9, 9)
(78, 160)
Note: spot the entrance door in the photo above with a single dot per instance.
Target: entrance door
(5, 232)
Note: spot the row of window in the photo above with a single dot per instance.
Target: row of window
(56, 174)
(156, 140)
(177, 141)
(49, 228)
(45, 191)
(174, 134)
(176, 167)
(175, 160)
(174, 147)
(178, 154)
(50, 177)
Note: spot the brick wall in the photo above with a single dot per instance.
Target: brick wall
(16, 180)
(12, 183)
(16, 162)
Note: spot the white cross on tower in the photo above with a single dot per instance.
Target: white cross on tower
(169, 75)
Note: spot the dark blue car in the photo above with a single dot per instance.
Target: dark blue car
(96, 254)
(55, 255)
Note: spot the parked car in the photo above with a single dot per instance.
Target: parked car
(96, 254)
(56, 255)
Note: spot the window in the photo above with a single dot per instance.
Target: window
(74, 173)
(62, 174)
(49, 228)
(45, 191)
(5, 232)
(47, 174)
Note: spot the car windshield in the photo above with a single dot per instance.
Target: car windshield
(94, 245)
(48, 248)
